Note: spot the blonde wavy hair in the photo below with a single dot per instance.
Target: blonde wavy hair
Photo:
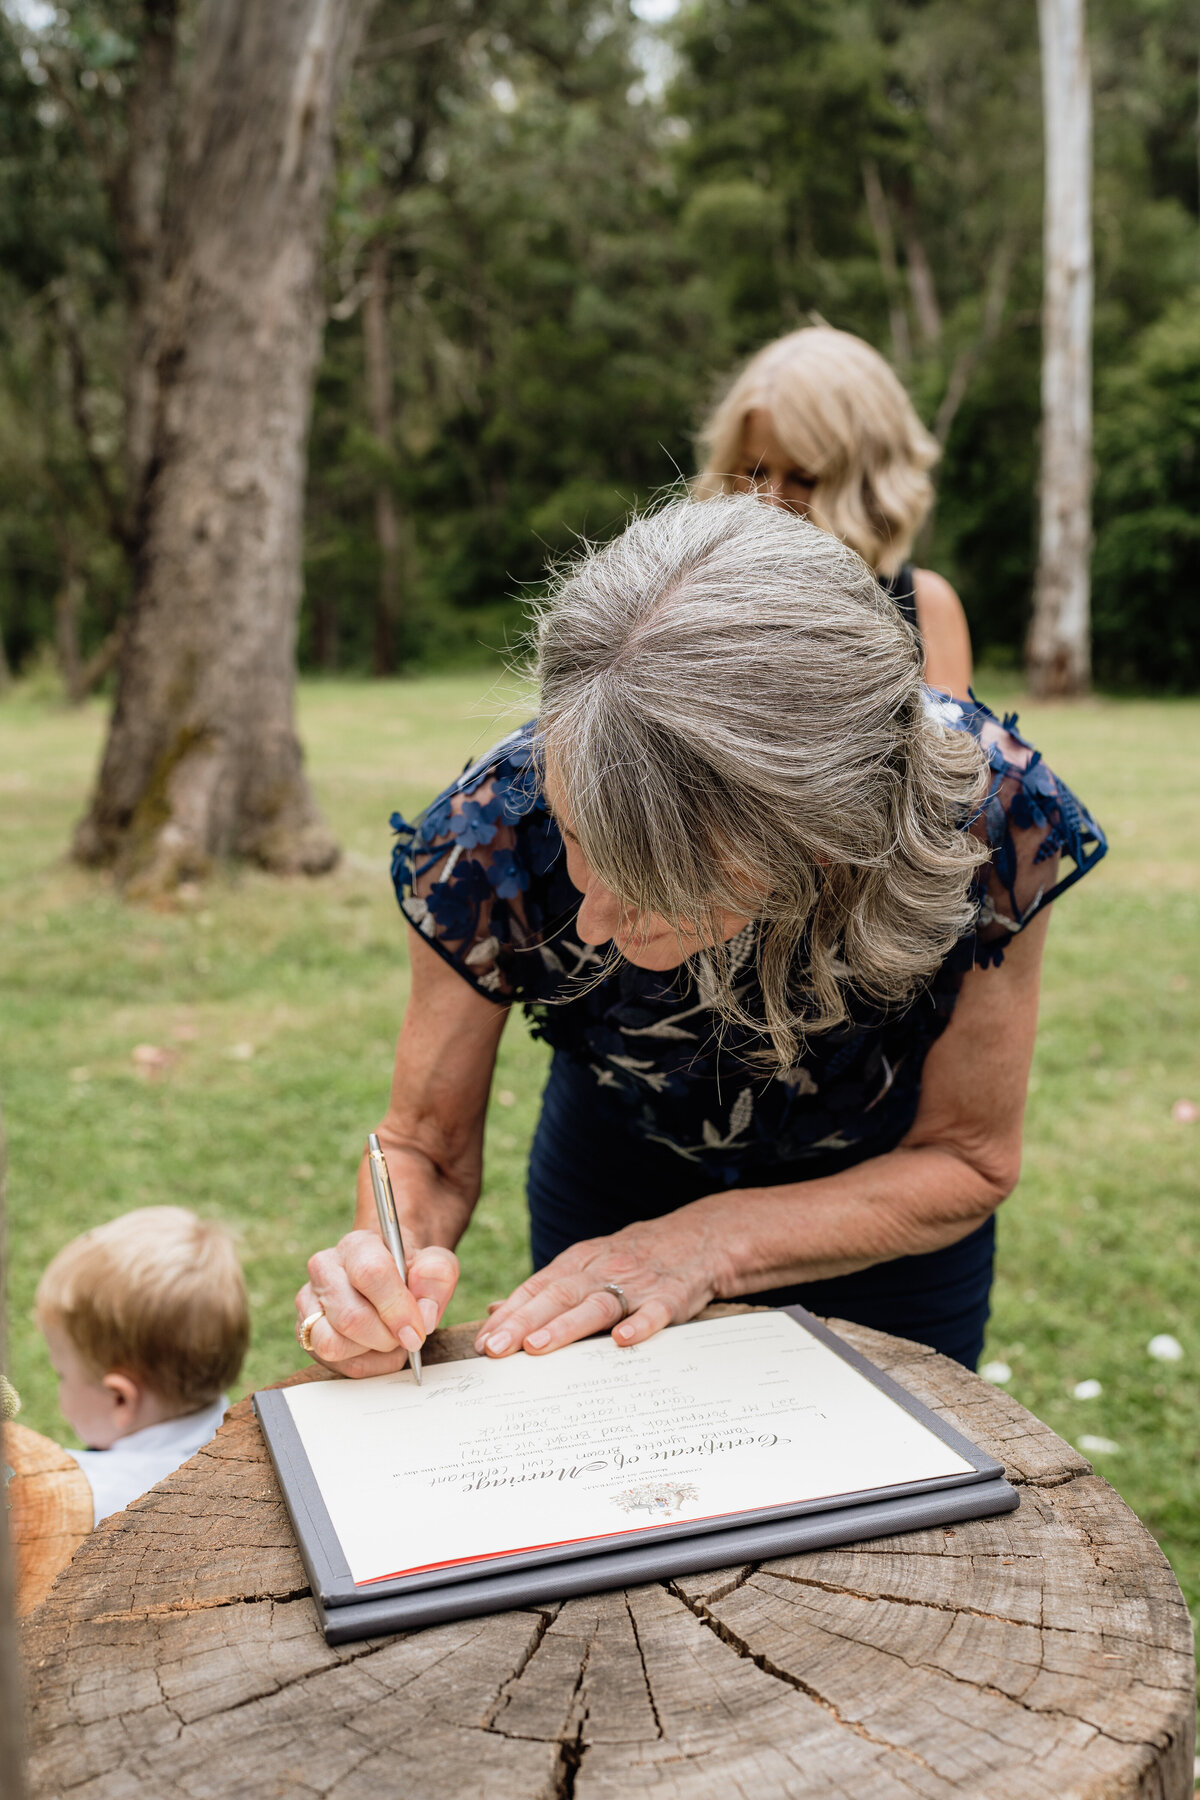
(841, 412)
(736, 719)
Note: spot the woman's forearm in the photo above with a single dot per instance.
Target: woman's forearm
(960, 1159)
(749, 1240)
(433, 1208)
(432, 1134)
(912, 1200)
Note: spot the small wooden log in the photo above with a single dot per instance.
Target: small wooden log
(1042, 1655)
(50, 1511)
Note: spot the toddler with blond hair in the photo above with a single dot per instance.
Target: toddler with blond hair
(147, 1322)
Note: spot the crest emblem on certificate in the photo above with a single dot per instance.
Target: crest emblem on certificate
(656, 1497)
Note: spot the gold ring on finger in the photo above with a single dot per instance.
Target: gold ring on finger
(610, 1287)
(304, 1330)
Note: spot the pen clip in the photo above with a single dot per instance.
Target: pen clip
(381, 1182)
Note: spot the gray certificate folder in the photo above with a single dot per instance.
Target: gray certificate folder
(537, 1577)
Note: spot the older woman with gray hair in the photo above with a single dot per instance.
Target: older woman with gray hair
(778, 908)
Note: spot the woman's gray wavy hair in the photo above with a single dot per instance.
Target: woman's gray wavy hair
(736, 718)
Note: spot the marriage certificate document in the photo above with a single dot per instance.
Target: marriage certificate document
(699, 1426)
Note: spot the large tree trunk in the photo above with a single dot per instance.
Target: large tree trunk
(138, 193)
(377, 352)
(202, 758)
(1059, 650)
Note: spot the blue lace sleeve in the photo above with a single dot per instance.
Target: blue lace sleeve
(1030, 820)
(482, 877)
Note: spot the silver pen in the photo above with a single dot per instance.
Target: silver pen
(389, 1225)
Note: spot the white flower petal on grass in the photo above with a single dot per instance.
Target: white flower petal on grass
(240, 1052)
(1165, 1348)
(1087, 1390)
(1097, 1446)
(996, 1372)
(1185, 1112)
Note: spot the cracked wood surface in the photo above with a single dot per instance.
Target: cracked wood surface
(1044, 1653)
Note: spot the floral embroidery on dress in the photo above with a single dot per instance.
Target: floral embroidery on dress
(482, 876)
(1025, 799)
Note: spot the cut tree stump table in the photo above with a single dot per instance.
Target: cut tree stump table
(1044, 1653)
(50, 1511)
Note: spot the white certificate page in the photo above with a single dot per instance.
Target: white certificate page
(721, 1416)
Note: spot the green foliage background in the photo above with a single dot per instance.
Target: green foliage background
(586, 221)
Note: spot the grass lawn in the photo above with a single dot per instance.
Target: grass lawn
(278, 1002)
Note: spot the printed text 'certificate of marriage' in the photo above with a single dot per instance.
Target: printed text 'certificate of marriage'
(718, 1417)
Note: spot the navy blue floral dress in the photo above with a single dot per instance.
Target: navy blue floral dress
(649, 1105)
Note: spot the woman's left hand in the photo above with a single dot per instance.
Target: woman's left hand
(668, 1270)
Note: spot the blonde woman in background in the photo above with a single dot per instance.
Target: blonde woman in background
(818, 423)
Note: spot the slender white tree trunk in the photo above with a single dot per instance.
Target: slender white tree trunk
(1059, 650)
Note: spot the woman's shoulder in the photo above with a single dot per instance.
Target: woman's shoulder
(1007, 749)
(945, 634)
(480, 872)
(939, 609)
(1024, 791)
(933, 590)
(1029, 817)
(501, 784)
(516, 751)
(510, 762)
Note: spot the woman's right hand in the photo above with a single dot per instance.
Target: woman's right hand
(433, 1140)
(372, 1319)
